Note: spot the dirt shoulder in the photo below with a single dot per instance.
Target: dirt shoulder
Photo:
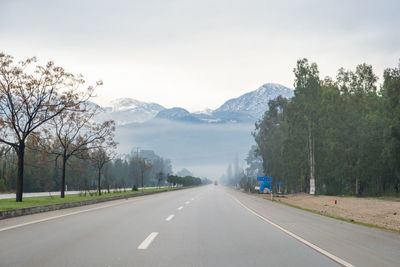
(384, 213)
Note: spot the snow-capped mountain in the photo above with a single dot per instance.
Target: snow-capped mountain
(128, 110)
(255, 103)
(247, 108)
(122, 104)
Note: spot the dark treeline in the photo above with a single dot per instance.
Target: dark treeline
(43, 171)
(187, 180)
(342, 134)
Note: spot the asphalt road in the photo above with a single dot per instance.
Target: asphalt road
(205, 226)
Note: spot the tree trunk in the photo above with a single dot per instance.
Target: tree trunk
(64, 163)
(357, 186)
(142, 182)
(98, 181)
(20, 174)
(5, 169)
(311, 160)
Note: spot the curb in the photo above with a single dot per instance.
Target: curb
(5, 214)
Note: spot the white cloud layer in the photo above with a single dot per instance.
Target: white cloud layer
(197, 54)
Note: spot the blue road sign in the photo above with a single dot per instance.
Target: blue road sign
(264, 179)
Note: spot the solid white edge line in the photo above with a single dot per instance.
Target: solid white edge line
(181, 207)
(318, 249)
(192, 199)
(170, 217)
(187, 202)
(146, 243)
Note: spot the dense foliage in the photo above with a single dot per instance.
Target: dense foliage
(344, 132)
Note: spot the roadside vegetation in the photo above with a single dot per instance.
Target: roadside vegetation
(187, 180)
(339, 136)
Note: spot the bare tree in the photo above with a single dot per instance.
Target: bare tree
(76, 133)
(144, 165)
(30, 96)
(99, 158)
(140, 167)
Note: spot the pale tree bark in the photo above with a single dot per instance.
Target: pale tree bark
(99, 157)
(311, 159)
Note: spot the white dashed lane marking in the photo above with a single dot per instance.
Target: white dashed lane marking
(146, 243)
(170, 217)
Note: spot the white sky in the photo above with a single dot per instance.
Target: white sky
(198, 54)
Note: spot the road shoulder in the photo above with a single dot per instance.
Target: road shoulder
(359, 245)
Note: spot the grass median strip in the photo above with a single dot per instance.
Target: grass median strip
(11, 204)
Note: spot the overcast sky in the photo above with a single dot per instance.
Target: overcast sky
(198, 54)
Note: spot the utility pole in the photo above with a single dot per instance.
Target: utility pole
(311, 159)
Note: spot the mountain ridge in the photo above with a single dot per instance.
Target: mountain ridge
(248, 107)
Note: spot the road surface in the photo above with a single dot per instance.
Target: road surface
(204, 226)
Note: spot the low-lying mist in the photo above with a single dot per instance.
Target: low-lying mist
(205, 149)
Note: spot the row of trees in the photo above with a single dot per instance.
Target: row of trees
(148, 169)
(46, 109)
(43, 171)
(335, 136)
(186, 181)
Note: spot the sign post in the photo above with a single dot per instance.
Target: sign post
(334, 209)
(280, 187)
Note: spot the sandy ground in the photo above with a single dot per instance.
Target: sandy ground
(367, 210)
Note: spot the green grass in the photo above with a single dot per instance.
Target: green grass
(10, 204)
(336, 217)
